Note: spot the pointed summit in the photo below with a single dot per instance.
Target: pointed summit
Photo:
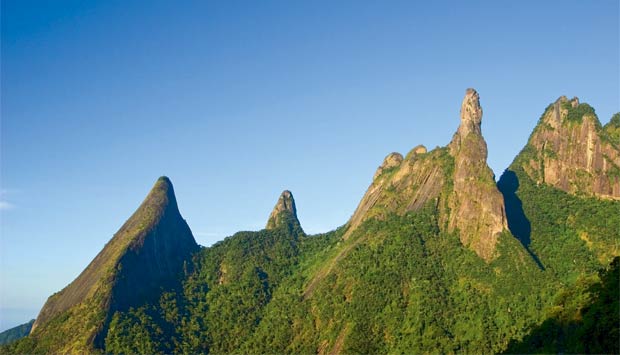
(476, 205)
(391, 161)
(283, 211)
(471, 112)
(472, 206)
(571, 151)
(146, 255)
(471, 118)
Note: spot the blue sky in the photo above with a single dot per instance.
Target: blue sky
(236, 101)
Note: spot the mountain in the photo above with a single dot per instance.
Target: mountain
(477, 207)
(562, 190)
(562, 204)
(15, 333)
(571, 151)
(146, 255)
(284, 212)
(457, 178)
(223, 299)
(436, 258)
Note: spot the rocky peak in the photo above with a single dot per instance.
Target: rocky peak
(391, 161)
(476, 205)
(571, 151)
(146, 254)
(163, 186)
(471, 118)
(402, 185)
(417, 150)
(283, 211)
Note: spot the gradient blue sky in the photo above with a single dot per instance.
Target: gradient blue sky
(237, 100)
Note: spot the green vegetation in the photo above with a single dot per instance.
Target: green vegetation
(612, 130)
(396, 283)
(575, 114)
(403, 287)
(406, 287)
(584, 319)
(572, 235)
(76, 319)
(15, 333)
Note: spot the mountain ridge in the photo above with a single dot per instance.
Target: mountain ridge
(437, 257)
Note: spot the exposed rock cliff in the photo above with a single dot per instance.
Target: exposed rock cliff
(456, 179)
(476, 205)
(402, 185)
(571, 151)
(284, 212)
(144, 256)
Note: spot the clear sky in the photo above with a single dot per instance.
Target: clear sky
(236, 101)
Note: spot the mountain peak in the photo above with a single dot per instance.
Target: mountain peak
(471, 111)
(146, 254)
(161, 195)
(284, 208)
(571, 151)
(477, 206)
(392, 160)
(471, 119)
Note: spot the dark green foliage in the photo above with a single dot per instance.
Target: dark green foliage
(584, 319)
(145, 257)
(612, 130)
(220, 303)
(571, 235)
(575, 114)
(15, 333)
(615, 121)
(404, 285)
(135, 332)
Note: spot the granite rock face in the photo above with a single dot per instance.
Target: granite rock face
(391, 161)
(401, 185)
(569, 150)
(476, 205)
(284, 212)
(456, 179)
(146, 255)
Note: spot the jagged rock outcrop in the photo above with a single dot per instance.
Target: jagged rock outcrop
(391, 161)
(402, 184)
(284, 212)
(456, 179)
(571, 151)
(476, 205)
(146, 255)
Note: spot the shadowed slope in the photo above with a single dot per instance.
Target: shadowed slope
(144, 256)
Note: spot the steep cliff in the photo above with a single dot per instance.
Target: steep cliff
(456, 179)
(569, 150)
(284, 212)
(562, 191)
(422, 266)
(402, 185)
(476, 205)
(145, 256)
